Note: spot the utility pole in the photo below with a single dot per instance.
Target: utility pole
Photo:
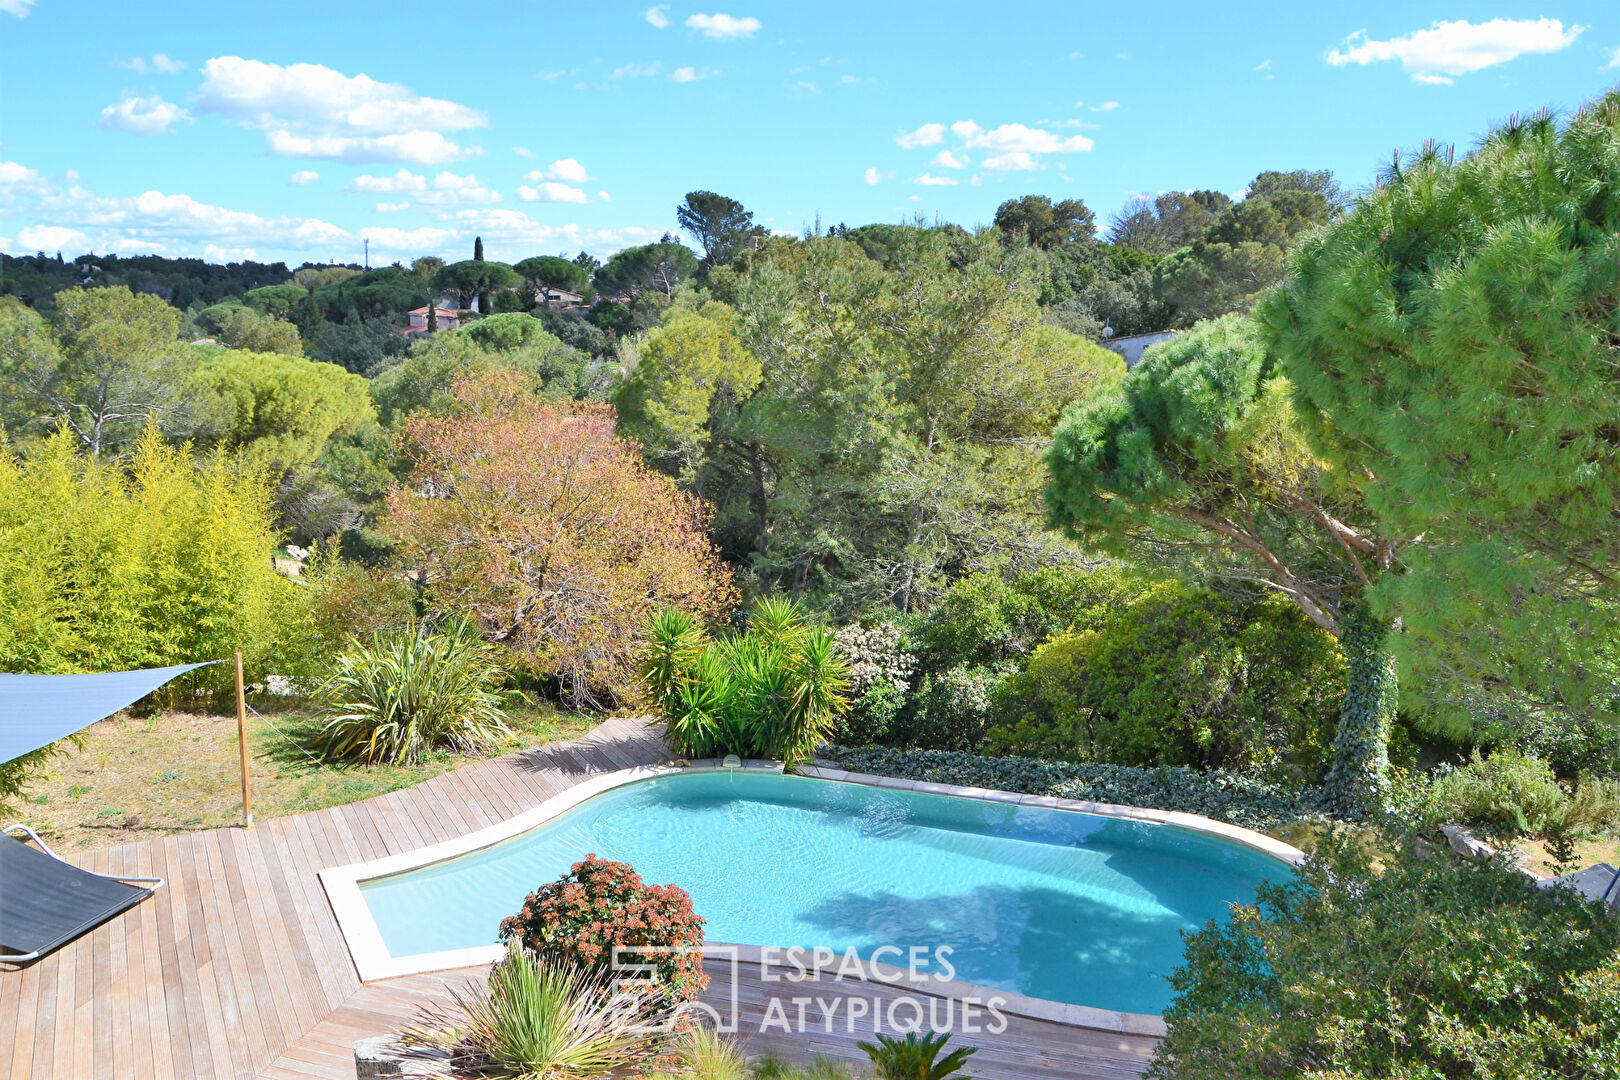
(368, 252)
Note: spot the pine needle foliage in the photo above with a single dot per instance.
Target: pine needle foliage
(1455, 338)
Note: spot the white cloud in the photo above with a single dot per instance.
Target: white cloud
(567, 169)
(1614, 61)
(444, 190)
(965, 129)
(216, 254)
(930, 180)
(604, 196)
(43, 237)
(550, 191)
(142, 115)
(407, 241)
(872, 176)
(308, 110)
(303, 178)
(947, 160)
(523, 151)
(636, 71)
(19, 182)
(1017, 137)
(1449, 49)
(18, 8)
(393, 207)
(927, 135)
(658, 16)
(724, 27)
(404, 180)
(166, 65)
(1012, 161)
(1107, 106)
(452, 190)
(1264, 65)
(691, 74)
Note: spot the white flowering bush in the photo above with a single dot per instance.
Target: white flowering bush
(881, 668)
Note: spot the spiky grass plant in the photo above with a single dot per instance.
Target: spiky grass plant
(401, 695)
(704, 1054)
(537, 1019)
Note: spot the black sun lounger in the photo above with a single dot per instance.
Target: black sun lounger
(46, 902)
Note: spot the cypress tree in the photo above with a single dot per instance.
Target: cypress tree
(483, 288)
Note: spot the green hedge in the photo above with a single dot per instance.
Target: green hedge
(1223, 796)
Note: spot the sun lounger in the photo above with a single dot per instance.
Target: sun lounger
(46, 902)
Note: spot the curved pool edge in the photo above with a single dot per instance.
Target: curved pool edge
(373, 961)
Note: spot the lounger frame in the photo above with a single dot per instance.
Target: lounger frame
(153, 883)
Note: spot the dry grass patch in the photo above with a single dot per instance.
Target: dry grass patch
(138, 777)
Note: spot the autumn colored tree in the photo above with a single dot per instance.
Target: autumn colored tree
(539, 520)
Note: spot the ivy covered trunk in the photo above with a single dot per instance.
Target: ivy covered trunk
(1357, 782)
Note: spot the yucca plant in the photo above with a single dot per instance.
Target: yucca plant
(771, 691)
(399, 696)
(916, 1057)
(542, 1020)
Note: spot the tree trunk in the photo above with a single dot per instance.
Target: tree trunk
(1358, 781)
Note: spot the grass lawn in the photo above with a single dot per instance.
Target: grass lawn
(140, 777)
(1588, 852)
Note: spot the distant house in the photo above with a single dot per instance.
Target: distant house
(447, 318)
(1132, 346)
(560, 298)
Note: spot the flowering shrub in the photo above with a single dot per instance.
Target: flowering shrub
(599, 904)
(880, 673)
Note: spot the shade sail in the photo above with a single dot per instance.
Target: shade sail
(36, 710)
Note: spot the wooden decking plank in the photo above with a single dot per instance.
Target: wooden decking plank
(239, 947)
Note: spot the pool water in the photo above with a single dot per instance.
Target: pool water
(1054, 904)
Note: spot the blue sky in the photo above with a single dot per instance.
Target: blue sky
(296, 130)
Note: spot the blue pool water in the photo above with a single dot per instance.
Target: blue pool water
(1054, 904)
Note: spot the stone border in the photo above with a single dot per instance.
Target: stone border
(373, 961)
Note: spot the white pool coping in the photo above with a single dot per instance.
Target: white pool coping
(373, 961)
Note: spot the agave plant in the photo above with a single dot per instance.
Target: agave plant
(401, 695)
(916, 1057)
(541, 1020)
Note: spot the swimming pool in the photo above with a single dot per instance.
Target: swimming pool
(1071, 907)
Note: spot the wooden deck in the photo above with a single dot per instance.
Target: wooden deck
(236, 967)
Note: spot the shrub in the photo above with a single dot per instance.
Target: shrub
(950, 711)
(1241, 800)
(599, 904)
(1507, 794)
(916, 1057)
(880, 672)
(557, 535)
(1181, 676)
(108, 565)
(771, 691)
(1407, 967)
(536, 1019)
(984, 620)
(1595, 807)
(405, 693)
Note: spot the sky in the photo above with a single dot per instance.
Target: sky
(299, 131)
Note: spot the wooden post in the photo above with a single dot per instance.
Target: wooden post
(241, 739)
